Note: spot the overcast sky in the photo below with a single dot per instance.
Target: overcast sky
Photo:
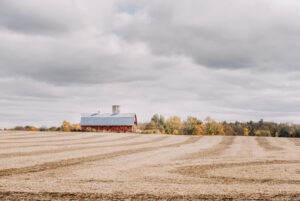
(231, 60)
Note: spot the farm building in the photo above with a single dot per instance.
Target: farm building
(115, 121)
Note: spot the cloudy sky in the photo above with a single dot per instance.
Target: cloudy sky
(231, 60)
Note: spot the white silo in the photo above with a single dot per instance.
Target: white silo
(116, 109)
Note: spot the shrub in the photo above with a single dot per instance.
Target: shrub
(262, 133)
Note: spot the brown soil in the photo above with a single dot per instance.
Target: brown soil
(203, 171)
(264, 143)
(79, 166)
(226, 142)
(56, 140)
(36, 136)
(80, 141)
(80, 160)
(52, 151)
(47, 196)
(296, 141)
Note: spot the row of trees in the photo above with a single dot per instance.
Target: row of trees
(194, 126)
(175, 125)
(262, 128)
(66, 127)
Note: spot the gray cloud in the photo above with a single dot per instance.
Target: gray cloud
(231, 34)
(62, 61)
(36, 17)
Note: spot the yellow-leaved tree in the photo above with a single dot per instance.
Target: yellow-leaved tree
(66, 126)
(75, 127)
(192, 126)
(198, 129)
(246, 131)
(211, 127)
(174, 125)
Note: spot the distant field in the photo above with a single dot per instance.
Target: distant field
(91, 166)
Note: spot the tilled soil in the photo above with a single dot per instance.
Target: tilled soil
(101, 166)
(296, 141)
(47, 196)
(263, 142)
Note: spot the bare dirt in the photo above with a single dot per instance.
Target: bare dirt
(263, 142)
(101, 166)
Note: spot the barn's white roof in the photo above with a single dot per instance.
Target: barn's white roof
(108, 119)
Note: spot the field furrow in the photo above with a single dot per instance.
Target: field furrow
(225, 144)
(93, 166)
(265, 144)
(32, 136)
(63, 196)
(67, 149)
(296, 141)
(204, 172)
(77, 141)
(58, 139)
(80, 160)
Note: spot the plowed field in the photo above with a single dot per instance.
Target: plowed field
(101, 166)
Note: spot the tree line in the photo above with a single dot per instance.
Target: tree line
(158, 124)
(194, 126)
(66, 126)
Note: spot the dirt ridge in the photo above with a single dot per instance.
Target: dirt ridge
(80, 143)
(25, 136)
(51, 151)
(296, 141)
(68, 196)
(79, 160)
(56, 140)
(266, 145)
(202, 171)
(225, 144)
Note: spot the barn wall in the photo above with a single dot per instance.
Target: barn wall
(109, 128)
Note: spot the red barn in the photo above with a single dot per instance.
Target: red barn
(115, 121)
